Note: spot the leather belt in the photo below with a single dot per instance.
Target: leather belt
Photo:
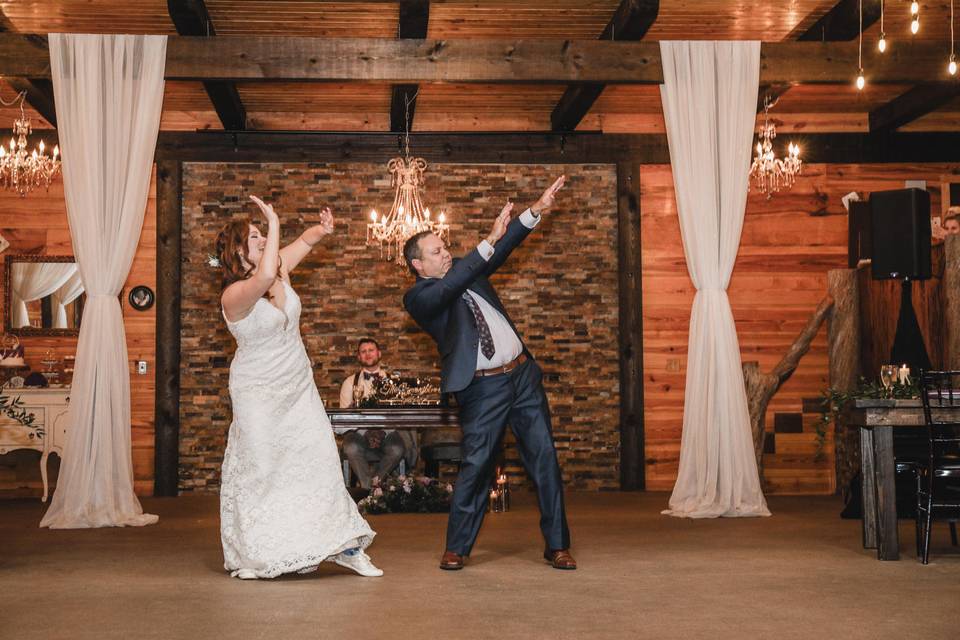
(507, 368)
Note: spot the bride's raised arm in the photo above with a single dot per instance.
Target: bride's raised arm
(293, 253)
(238, 298)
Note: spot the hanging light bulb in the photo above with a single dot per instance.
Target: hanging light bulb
(882, 43)
(952, 67)
(915, 15)
(915, 25)
(914, 8)
(861, 81)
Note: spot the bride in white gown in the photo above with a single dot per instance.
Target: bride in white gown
(283, 505)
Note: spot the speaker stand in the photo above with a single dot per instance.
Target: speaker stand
(908, 346)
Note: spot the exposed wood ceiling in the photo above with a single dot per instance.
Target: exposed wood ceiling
(460, 107)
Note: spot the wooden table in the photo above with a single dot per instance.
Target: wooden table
(427, 417)
(876, 419)
(49, 431)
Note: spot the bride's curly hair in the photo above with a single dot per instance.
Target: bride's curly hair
(231, 243)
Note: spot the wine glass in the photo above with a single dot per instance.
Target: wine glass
(888, 373)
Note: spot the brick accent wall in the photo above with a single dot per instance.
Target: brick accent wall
(560, 287)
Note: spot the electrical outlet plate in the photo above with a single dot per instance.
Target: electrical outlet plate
(142, 367)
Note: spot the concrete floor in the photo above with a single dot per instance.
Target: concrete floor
(800, 574)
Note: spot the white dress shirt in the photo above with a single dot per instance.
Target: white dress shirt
(506, 342)
(346, 396)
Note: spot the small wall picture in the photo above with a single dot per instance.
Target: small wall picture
(141, 298)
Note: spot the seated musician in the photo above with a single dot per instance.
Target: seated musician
(390, 445)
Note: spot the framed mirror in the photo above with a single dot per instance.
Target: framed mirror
(43, 295)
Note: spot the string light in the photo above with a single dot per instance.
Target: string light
(882, 44)
(915, 12)
(952, 67)
(861, 81)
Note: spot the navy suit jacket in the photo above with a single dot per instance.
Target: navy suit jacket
(436, 304)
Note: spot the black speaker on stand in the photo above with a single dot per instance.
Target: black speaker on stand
(900, 239)
(900, 227)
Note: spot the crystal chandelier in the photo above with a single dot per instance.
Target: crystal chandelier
(407, 215)
(20, 171)
(768, 173)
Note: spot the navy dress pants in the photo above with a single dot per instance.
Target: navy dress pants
(487, 405)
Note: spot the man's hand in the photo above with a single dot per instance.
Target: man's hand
(500, 224)
(546, 200)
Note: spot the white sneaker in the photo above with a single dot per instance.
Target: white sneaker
(358, 562)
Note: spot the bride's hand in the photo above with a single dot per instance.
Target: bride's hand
(266, 210)
(326, 221)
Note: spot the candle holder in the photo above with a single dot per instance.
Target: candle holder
(888, 375)
(500, 493)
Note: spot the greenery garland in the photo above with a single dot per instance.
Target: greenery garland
(833, 401)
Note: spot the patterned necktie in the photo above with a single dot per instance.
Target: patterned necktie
(486, 340)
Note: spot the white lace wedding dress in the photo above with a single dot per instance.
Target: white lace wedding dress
(283, 504)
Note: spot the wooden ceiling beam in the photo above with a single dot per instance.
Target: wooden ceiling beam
(544, 147)
(841, 23)
(414, 18)
(917, 102)
(630, 22)
(527, 148)
(282, 58)
(191, 18)
(39, 91)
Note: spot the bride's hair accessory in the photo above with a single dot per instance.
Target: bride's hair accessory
(213, 261)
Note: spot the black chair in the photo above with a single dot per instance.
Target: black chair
(938, 478)
(439, 452)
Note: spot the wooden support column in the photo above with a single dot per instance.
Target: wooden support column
(632, 476)
(167, 404)
(951, 300)
(843, 345)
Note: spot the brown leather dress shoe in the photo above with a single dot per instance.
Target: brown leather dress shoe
(560, 559)
(451, 561)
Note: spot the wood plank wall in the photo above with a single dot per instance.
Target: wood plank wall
(879, 313)
(38, 224)
(788, 244)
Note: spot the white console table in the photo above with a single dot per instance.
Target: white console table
(49, 431)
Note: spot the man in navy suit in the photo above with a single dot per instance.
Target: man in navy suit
(496, 381)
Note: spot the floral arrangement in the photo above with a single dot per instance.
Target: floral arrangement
(834, 400)
(407, 494)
